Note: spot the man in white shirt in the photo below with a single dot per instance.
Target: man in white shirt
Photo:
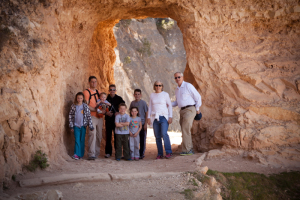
(189, 101)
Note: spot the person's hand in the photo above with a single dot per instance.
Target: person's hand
(136, 134)
(72, 130)
(131, 135)
(198, 112)
(149, 121)
(109, 113)
(170, 120)
(145, 127)
(91, 129)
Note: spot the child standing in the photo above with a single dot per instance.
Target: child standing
(79, 119)
(143, 110)
(135, 127)
(122, 132)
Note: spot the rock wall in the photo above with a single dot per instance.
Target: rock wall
(148, 50)
(243, 56)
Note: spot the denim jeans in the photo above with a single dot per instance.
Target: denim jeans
(79, 134)
(161, 131)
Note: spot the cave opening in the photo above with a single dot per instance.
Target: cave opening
(147, 50)
(154, 51)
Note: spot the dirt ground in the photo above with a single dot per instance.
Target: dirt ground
(163, 188)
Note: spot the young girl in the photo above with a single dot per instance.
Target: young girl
(79, 119)
(135, 127)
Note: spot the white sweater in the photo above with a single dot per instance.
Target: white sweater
(160, 105)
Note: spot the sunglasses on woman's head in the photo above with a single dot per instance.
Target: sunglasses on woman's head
(178, 77)
(158, 85)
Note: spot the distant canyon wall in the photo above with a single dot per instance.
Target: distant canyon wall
(148, 50)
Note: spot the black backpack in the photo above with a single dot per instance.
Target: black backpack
(97, 93)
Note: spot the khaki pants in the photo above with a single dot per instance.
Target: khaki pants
(95, 137)
(187, 116)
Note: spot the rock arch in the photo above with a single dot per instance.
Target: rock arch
(242, 56)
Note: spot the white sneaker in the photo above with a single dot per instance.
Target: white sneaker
(107, 155)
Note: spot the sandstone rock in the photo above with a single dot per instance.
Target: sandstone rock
(228, 112)
(277, 113)
(2, 133)
(228, 134)
(239, 110)
(25, 133)
(202, 170)
(269, 136)
(248, 92)
(49, 50)
(297, 9)
(212, 181)
(48, 195)
(215, 154)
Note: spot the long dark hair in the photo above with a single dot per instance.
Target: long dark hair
(75, 100)
(136, 109)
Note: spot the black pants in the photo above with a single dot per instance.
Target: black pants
(143, 137)
(110, 127)
(122, 143)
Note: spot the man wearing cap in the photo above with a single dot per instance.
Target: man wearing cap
(189, 101)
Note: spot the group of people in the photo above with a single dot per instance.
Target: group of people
(130, 132)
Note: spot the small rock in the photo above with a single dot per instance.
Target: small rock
(212, 181)
(78, 185)
(202, 170)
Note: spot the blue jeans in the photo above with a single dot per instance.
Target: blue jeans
(79, 134)
(161, 131)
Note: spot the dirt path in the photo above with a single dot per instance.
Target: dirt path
(163, 188)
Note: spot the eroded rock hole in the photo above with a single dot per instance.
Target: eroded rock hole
(148, 50)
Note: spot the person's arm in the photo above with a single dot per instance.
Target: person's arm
(71, 117)
(118, 124)
(149, 110)
(196, 96)
(145, 124)
(140, 128)
(89, 119)
(125, 123)
(169, 103)
(174, 103)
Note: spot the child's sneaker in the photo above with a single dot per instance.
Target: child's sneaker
(118, 159)
(75, 157)
(136, 158)
(129, 159)
(159, 157)
(169, 155)
(132, 158)
(107, 155)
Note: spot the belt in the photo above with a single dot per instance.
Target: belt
(182, 108)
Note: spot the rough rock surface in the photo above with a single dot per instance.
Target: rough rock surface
(148, 50)
(240, 55)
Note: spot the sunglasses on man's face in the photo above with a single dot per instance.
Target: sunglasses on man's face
(112, 89)
(178, 77)
(158, 85)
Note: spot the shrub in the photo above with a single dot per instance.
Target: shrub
(145, 50)
(39, 160)
(165, 24)
(127, 60)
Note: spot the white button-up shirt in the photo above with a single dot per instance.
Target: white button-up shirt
(187, 95)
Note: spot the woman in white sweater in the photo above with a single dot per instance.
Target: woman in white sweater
(160, 115)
